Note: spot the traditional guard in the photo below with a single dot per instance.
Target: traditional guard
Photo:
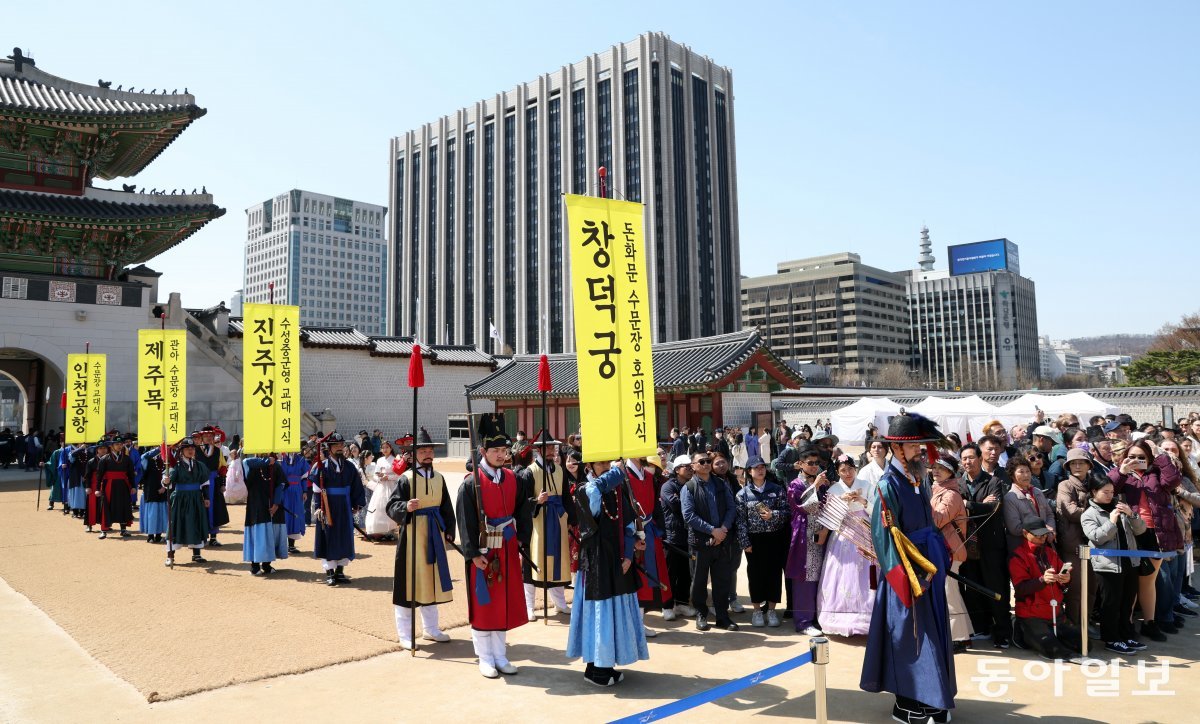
(265, 538)
(209, 453)
(115, 474)
(492, 520)
(421, 506)
(95, 502)
(909, 648)
(294, 468)
(77, 483)
(338, 494)
(55, 473)
(550, 546)
(154, 515)
(606, 624)
(645, 488)
(189, 520)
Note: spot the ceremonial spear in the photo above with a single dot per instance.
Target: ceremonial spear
(416, 380)
(544, 387)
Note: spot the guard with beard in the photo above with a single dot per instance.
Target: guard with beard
(909, 648)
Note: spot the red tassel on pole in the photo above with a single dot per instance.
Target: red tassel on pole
(62, 404)
(544, 374)
(416, 368)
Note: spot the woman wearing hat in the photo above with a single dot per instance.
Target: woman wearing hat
(909, 648)
(763, 532)
(950, 516)
(846, 598)
(1070, 503)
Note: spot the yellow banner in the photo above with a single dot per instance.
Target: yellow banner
(612, 328)
(162, 386)
(271, 377)
(86, 378)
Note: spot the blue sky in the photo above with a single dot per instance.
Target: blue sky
(1067, 127)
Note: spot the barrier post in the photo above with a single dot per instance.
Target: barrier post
(819, 648)
(1085, 558)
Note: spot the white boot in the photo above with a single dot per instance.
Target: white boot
(558, 596)
(499, 644)
(429, 624)
(482, 640)
(404, 626)
(530, 596)
(650, 633)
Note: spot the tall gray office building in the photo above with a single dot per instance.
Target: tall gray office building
(974, 326)
(478, 227)
(327, 255)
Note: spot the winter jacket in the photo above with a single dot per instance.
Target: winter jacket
(950, 516)
(1017, 507)
(748, 519)
(1101, 532)
(1154, 490)
(988, 531)
(675, 530)
(1033, 595)
(1072, 501)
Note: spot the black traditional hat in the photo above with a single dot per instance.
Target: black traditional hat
(185, 442)
(424, 440)
(911, 427)
(104, 442)
(334, 437)
(544, 438)
(491, 431)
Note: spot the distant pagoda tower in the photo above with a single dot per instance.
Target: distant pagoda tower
(56, 138)
(926, 258)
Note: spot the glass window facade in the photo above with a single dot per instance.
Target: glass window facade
(683, 255)
(604, 127)
(578, 142)
(469, 237)
(532, 317)
(414, 257)
(489, 225)
(704, 230)
(554, 212)
(633, 138)
(660, 248)
(398, 221)
(431, 294)
(725, 211)
(450, 252)
(510, 230)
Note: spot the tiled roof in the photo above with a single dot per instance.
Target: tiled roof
(684, 364)
(138, 207)
(351, 338)
(34, 90)
(334, 337)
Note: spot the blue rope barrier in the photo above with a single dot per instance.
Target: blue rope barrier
(1118, 553)
(716, 692)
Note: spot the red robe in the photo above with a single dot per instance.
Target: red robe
(654, 560)
(505, 609)
(95, 512)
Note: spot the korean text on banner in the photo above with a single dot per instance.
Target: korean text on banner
(87, 375)
(271, 377)
(162, 385)
(612, 328)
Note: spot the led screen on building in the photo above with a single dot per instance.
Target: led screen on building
(979, 256)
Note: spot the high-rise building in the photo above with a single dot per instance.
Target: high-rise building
(834, 311)
(326, 254)
(975, 326)
(1058, 358)
(478, 228)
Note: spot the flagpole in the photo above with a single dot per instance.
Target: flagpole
(416, 379)
(544, 387)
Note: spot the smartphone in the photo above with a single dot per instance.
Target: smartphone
(1066, 567)
(1141, 465)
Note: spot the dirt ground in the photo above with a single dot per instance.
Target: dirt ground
(100, 630)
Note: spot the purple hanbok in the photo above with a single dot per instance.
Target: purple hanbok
(805, 555)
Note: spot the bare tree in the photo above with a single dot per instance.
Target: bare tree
(1176, 337)
(892, 376)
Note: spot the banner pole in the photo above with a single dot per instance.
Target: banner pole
(1085, 557)
(819, 648)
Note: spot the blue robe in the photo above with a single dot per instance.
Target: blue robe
(294, 467)
(909, 649)
(345, 492)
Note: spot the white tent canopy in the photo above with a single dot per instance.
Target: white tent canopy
(964, 415)
(1024, 408)
(850, 422)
